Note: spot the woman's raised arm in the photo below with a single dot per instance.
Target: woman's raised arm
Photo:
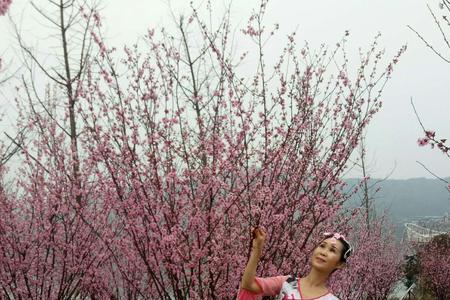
(248, 281)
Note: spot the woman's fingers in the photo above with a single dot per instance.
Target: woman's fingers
(259, 233)
(259, 238)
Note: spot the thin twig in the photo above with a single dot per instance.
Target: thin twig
(417, 115)
(428, 45)
(440, 178)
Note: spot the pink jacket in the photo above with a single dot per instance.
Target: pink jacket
(286, 287)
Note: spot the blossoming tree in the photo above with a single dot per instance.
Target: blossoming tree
(434, 258)
(142, 176)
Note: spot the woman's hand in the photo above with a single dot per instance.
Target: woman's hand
(259, 238)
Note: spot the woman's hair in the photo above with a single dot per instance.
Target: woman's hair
(344, 250)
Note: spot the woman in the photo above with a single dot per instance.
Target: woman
(331, 254)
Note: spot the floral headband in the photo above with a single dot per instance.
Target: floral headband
(340, 237)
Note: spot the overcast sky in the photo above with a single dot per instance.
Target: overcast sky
(392, 136)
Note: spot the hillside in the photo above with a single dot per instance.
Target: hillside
(409, 198)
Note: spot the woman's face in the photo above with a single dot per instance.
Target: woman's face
(327, 255)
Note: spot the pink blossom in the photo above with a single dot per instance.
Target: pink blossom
(423, 141)
(97, 19)
(430, 134)
(4, 6)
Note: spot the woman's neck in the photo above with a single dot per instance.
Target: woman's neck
(316, 278)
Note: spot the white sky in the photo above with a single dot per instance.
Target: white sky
(392, 136)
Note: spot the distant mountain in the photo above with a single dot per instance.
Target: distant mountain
(409, 198)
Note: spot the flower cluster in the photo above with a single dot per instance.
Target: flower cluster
(4, 6)
(430, 139)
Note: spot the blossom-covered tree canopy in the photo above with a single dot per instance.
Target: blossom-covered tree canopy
(142, 169)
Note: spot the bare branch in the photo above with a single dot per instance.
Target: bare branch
(417, 115)
(428, 45)
(429, 171)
